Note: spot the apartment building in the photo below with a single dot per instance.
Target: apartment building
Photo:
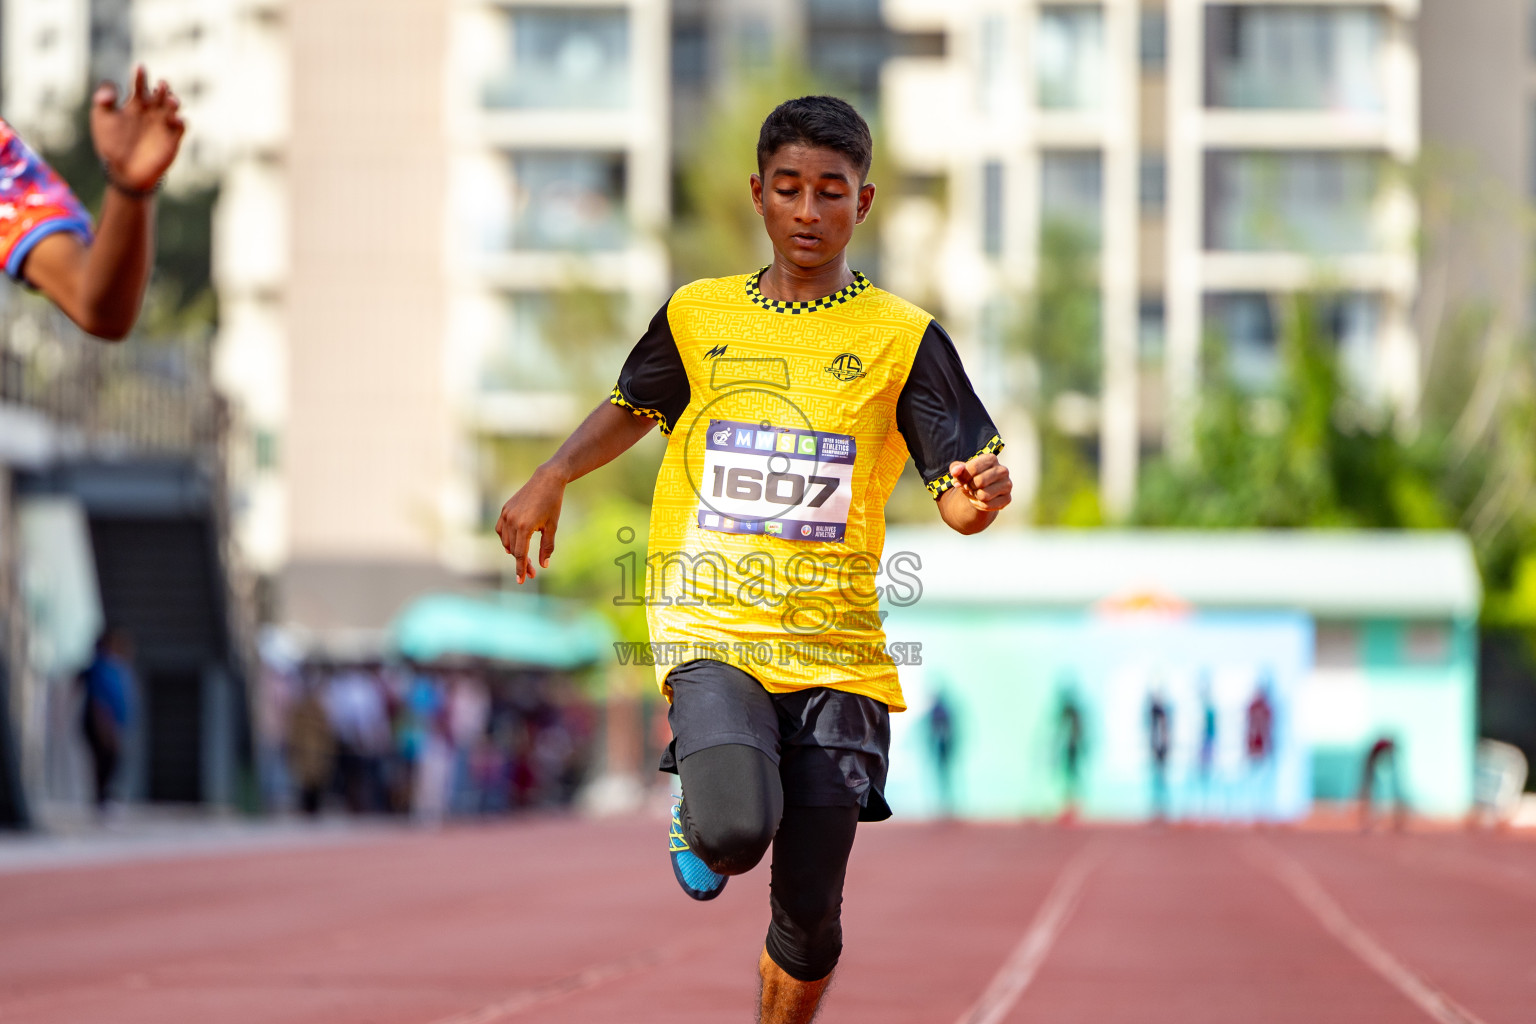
(454, 169)
(45, 59)
(408, 190)
(559, 178)
(1217, 155)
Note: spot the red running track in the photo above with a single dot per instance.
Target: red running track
(574, 921)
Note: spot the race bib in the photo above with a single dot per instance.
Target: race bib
(778, 481)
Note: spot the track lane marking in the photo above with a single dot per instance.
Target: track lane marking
(1019, 970)
(569, 984)
(1309, 892)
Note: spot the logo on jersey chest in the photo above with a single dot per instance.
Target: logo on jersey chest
(846, 367)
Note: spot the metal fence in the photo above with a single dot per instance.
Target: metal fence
(141, 397)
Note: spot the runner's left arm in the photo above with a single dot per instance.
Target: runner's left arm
(951, 437)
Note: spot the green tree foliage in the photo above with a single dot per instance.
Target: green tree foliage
(1308, 454)
(1055, 335)
(1313, 454)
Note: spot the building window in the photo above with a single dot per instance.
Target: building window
(1530, 148)
(992, 69)
(1337, 645)
(1070, 64)
(1246, 327)
(1153, 183)
(266, 450)
(1154, 38)
(1151, 327)
(1294, 58)
(992, 208)
(1320, 203)
(1427, 643)
(567, 58)
(690, 52)
(1243, 327)
(548, 341)
(522, 358)
(567, 200)
(1071, 192)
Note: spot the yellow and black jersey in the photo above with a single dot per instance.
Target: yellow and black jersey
(788, 424)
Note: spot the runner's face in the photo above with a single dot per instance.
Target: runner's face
(810, 198)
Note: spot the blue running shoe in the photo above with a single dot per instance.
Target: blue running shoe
(692, 873)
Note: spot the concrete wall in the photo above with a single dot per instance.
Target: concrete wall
(1477, 76)
(368, 440)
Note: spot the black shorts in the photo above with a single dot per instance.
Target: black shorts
(832, 748)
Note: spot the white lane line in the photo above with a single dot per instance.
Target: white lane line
(1310, 893)
(1024, 962)
(588, 978)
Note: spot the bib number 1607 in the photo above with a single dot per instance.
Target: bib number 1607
(780, 488)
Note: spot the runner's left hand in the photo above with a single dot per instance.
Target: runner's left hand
(984, 481)
(138, 140)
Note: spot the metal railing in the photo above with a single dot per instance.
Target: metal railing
(145, 397)
(140, 396)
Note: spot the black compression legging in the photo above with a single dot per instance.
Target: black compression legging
(733, 808)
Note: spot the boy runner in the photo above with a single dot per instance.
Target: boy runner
(45, 234)
(792, 398)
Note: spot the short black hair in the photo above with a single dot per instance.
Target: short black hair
(817, 121)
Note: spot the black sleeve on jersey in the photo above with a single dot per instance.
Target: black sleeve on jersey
(653, 382)
(939, 414)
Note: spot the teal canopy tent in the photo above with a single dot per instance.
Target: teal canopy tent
(514, 629)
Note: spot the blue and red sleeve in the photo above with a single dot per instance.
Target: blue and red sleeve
(34, 203)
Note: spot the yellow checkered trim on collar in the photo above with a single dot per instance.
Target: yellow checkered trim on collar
(837, 298)
(946, 481)
(617, 398)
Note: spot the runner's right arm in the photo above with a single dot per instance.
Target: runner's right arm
(652, 388)
(608, 432)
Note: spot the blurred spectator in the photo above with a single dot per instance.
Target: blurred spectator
(469, 708)
(355, 705)
(311, 748)
(1069, 737)
(941, 733)
(277, 689)
(107, 683)
(426, 748)
(1207, 743)
(1382, 760)
(1261, 749)
(421, 741)
(1159, 737)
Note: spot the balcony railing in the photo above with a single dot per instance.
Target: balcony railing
(137, 397)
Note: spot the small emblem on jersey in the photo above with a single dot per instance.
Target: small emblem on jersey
(846, 367)
(805, 531)
(723, 435)
(718, 350)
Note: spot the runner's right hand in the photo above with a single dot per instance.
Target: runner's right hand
(535, 508)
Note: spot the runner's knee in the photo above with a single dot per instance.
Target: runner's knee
(732, 844)
(732, 803)
(806, 936)
(810, 860)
